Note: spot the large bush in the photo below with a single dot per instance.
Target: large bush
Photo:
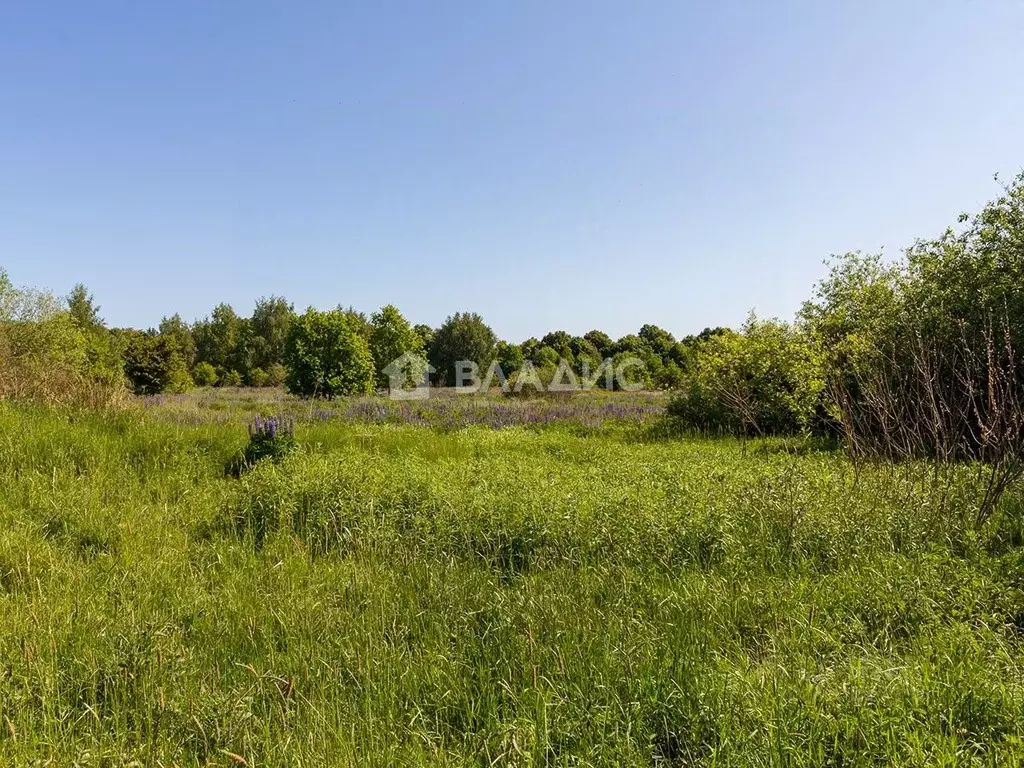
(153, 365)
(325, 356)
(766, 379)
(47, 354)
(204, 375)
(924, 354)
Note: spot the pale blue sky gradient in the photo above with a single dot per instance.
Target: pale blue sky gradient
(549, 164)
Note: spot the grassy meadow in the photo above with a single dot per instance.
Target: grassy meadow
(474, 581)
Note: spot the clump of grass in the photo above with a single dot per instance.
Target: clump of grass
(270, 438)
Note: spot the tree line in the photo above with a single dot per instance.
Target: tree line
(340, 351)
(917, 356)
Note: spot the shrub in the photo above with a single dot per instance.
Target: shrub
(276, 375)
(47, 356)
(204, 375)
(231, 379)
(326, 356)
(152, 364)
(767, 379)
(258, 377)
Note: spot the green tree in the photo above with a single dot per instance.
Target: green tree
(270, 322)
(217, 338)
(426, 334)
(47, 356)
(601, 341)
(84, 309)
(391, 336)
(326, 357)
(658, 339)
(358, 321)
(178, 331)
(464, 336)
(509, 356)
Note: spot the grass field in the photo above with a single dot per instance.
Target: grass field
(571, 589)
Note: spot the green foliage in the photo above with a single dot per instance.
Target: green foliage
(358, 322)
(83, 309)
(657, 339)
(153, 365)
(922, 354)
(426, 334)
(463, 336)
(231, 378)
(270, 322)
(46, 355)
(767, 379)
(204, 375)
(276, 375)
(391, 336)
(325, 356)
(602, 342)
(509, 356)
(258, 378)
(216, 337)
(178, 331)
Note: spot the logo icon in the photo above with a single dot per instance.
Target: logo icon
(409, 377)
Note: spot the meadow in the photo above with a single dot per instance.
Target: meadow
(482, 581)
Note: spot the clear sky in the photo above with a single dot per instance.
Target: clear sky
(551, 164)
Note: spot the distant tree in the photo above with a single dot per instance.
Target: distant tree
(246, 350)
(509, 356)
(270, 322)
(276, 375)
(217, 338)
(257, 378)
(47, 356)
(632, 344)
(557, 340)
(426, 334)
(530, 347)
(358, 321)
(670, 377)
(84, 309)
(658, 339)
(706, 334)
(767, 379)
(601, 341)
(585, 354)
(391, 336)
(464, 336)
(178, 331)
(326, 357)
(547, 357)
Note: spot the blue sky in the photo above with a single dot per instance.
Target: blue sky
(548, 164)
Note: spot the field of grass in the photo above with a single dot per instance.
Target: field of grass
(574, 589)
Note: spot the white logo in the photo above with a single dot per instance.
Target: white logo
(409, 377)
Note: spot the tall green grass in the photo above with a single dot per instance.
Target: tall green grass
(394, 595)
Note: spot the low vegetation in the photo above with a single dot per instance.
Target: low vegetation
(394, 594)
